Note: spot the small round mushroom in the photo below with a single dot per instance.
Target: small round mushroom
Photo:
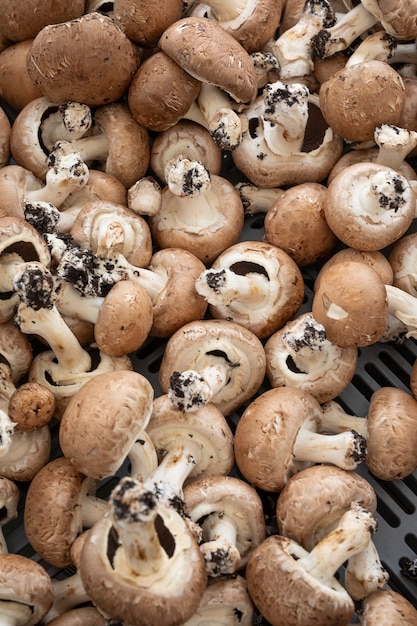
(60, 502)
(230, 513)
(212, 361)
(141, 564)
(293, 586)
(26, 591)
(255, 284)
(387, 429)
(300, 355)
(280, 433)
(386, 607)
(112, 402)
(100, 60)
(200, 212)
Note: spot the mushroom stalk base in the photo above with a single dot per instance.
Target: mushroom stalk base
(345, 450)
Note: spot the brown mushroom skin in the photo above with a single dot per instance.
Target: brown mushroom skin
(16, 88)
(5, 132)
(23, 20)
(386, 607)
(83, 616)
(144, 22)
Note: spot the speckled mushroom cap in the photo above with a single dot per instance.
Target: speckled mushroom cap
(21, 21)
(314, 499)
(103, 419)
(386, 607)
(206, 51)
(99, 65)
(300, 355)
(391, 440)
(26, 582)
(178, 303)
(83, 616)
(350, 302)
(144, 23)
(5, 131)
(52, 513)
(236, 500)
(131, 233)
(200, 343)
(266, 432)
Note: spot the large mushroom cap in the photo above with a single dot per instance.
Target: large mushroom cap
(23, 20)
(88, 60)
(206, 51)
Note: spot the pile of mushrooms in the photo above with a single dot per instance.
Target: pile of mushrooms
(137, 141)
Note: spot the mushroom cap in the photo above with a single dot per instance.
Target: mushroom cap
(5, 132)
(29, 452)
(401, 258)
(283, 295)
(52, 513)
(15, 349)
(266, 432)
(9, 500)
(286, 594)
(124, 320)
(83, 616)
(207, 426)
(178, 303)
(360, 219)
(144, 22)
(351, 303)
(100, 60)
(234, 499)
(357, 99)
(25, 581)
(164, 598)
(300, 355)
(196, 344)
(296, 223)
(397, 20)
(210, 54)
(227, 598)
(374, 258)
(368, 155)
(31, 406)
(386, 607)
(16, 88)
(22, 21)
(314, 499)
(103, 419)
(187, 138)
(391, 439)
(161, 92)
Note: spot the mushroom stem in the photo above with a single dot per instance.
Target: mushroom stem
(92, 509)
(336, 420)
(365, 573)
(68, 593)
(91, 148)
(257, 199)
(71, 121)
(223, 286)
(66, 173)
(71, 302)
(285, 116)
(134, 512)
(394, 145)
(345, 450)
(344, 32)
(10, 264)
(153, 282)
(38, 314)
(266, 67)
(142, 457)
(190, 389)
(225, 10)
(352, 535)
(167, 480)
(144, 197)
(219, 545)
(403, 306)
(223, 124)
(379, 46)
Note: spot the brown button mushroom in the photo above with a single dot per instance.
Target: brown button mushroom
(350, 301)
(59, 503)
(31, 406)
(279, 433)
(26, 591)
(114, 402)
(212, 361)
(21, 21)
(255, 284)
(100, 60)
(16, 88)
(145, 23)
(374, 258)
(300, 355)
(230, 513)
(292, 586)
(310, 506)
(387, 607)
(388, 430)
(141, 564)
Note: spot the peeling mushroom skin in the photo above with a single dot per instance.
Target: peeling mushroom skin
(300, 355)
(97, 71)
(369, 206)
(254, 284)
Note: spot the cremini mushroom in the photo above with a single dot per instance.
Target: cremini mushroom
(140, 563)
(386, 607)
(19, 22)
(292, 586)
(200, 212)
(401, 258)
(230, 513)
(144, 24)
(113, 402)
(60, 503)
(255, 284)
(296, 223)
(287, 142)
(280, 433)
(9, 501)
(300, 355)
(324, 493)
(387, 429)
(82, 616)
(29, 405)
(5, 131)
(212, 361)
(16, 88)
(100, 60)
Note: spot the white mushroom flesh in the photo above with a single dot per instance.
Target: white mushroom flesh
(191, 389)
(285, 116)
(71, 121)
